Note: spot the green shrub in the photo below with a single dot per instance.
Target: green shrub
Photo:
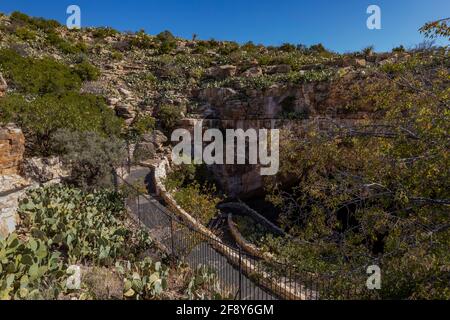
(399, 49)
(65, 46)
(90, 156)
(142, 41)
(141, 125)
(168, 42)
(198, 201)
(25, 34)
(41, 117)
(35, 23)
(287, 47)
(86, 71)
(37, 76)
(168, 117)
(104, 32)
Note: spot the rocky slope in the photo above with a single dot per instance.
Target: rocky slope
(140, 73)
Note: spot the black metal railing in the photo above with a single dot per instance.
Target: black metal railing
(238, 274)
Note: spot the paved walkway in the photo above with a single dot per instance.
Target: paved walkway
(195, 252)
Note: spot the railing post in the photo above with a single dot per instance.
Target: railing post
(171, 239)
(240, 274)
(139, 208)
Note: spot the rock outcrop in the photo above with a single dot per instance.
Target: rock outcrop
(3, 86)
(12, 186)
(12, 147)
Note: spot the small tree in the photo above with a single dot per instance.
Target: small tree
(90, 156)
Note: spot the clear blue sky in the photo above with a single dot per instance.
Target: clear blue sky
(340, 24)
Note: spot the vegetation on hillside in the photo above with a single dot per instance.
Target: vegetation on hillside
(376, 192)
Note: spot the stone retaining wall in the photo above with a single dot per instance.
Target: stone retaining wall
(266, 280)
(244, 208)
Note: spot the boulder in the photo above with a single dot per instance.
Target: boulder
(157, 138)
(125, 111)
(221, 72)
(3, 86)
(12, 147)
(144, 151)
(12, 189)
(45, 170)
(252, 72)
(281, 68)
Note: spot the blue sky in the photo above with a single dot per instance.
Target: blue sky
(340, 25)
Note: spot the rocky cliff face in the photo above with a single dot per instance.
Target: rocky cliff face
(12, 147)
(12, 186)
(227, 108)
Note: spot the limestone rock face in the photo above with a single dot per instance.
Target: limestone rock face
(281, 68)
(3, 86)
(252, 72)
(12, 147)
(12, 188)
(44, 170)
(221, 72)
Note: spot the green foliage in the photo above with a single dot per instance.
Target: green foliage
(367, 51)
(399, 49)
(198, 201)
(144, 280)
(85, 226)
(204, 285)
(375, 192)
(86, 71)
(64, 226)
(168, 117)
(104, 32)
(65, 46)
(25, 268)
(90, 156)
(42, 117)
(35, 23)
(167, 42)
(25, 34)
(37, 76)
(142, 41)
(436, 29)
(287, 47)
(141, 125)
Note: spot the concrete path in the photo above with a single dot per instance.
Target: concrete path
(183, 243)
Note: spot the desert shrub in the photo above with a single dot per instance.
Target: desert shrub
(288, 47)
(41, 117)
(142, 41)
(141, 125)
(37, 76)
(116, 55)
(399, 49)
(167, 42)
(35, 23)
(104, 32)
(367, 51)
(25, 34)
(65, 46)
(168, 117)
(198, 201)
(91, 156)
(228, 47)
(86, 71)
